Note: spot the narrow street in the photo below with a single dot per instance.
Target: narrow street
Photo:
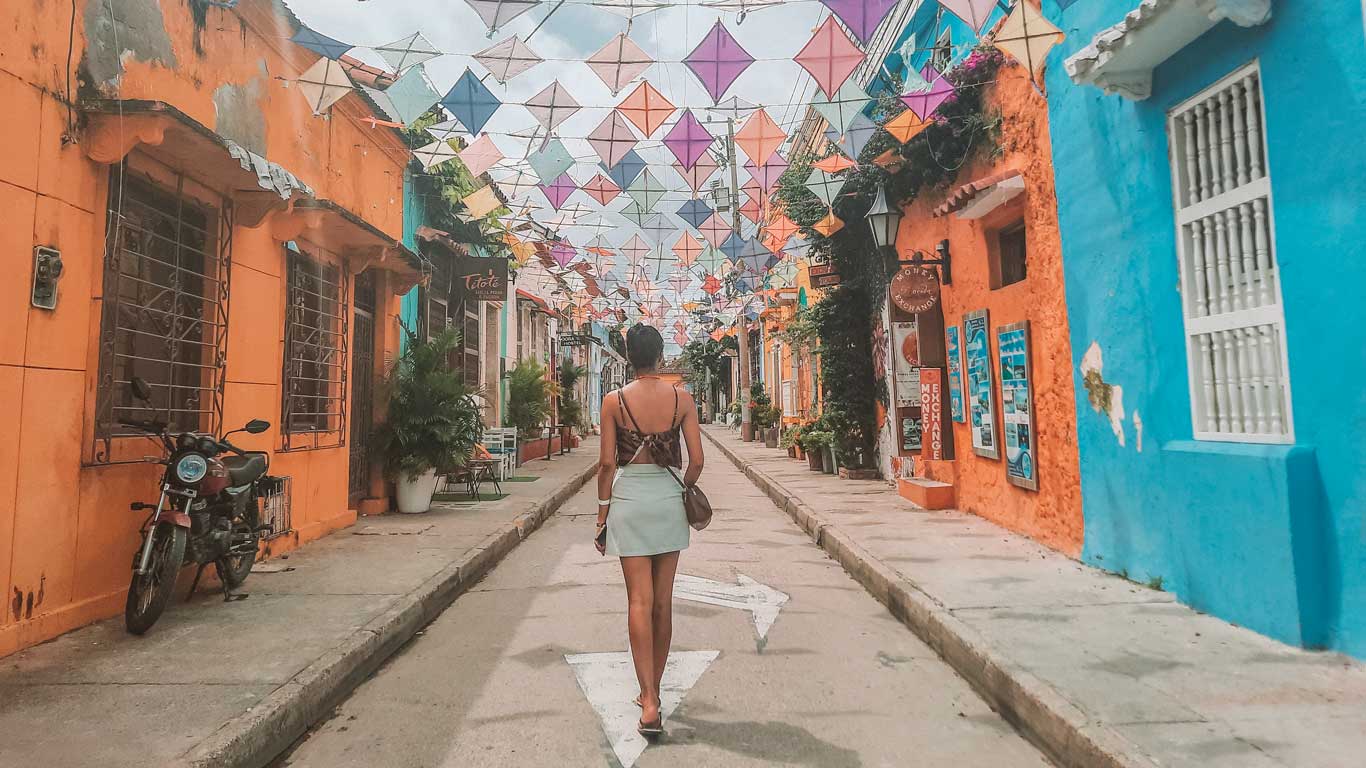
(529, 667)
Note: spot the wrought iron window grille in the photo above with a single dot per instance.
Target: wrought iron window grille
(314, 384)
(164, 313)
(277, 507)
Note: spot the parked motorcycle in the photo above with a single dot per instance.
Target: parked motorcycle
(209, 512)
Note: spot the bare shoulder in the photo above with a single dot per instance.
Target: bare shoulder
(684, 397)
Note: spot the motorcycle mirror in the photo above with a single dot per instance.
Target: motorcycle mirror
(140, 389)
(256, 426)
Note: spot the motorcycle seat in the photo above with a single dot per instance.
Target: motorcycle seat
(245, 469)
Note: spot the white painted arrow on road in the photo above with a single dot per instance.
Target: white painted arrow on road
(761, 600)
(609, 682)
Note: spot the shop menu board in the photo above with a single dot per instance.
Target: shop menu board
(1017, 405)
(954, 349)
(981, 406)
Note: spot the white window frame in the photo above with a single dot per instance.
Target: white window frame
(1198, 320)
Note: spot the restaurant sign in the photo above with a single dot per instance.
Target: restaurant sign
(482, 279)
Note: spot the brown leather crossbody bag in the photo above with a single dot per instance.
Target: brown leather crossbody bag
(695, 503)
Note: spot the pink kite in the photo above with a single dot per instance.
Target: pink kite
(480, 156)
(613, 139)
(767, 175)
(711, 285)
(687, 249)
(698, 175)
(646, 108)
(862, 17)
(618, 63)
(974, 12)
(760, 137)
(718, 60)
(688, 140)
(634, 250)
(716, 230)
(559, 190)
(830, 56)
(602, 189)
(924, 103)
(552, 106)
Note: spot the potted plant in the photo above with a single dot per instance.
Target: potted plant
(792, 441)
(759, 403)
(817, 443)
(432, 423)
(529, 393)
(571, 410)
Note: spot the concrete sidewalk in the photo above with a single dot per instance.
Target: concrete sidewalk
(217, 684)
(1099, 671)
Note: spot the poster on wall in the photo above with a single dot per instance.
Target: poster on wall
(1017, 405)
(981, 407)
(954, 351)
(906, 351)
(911, 429)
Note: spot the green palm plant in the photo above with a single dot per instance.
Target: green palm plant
(529, 393)
(571, 410)
(433, 420)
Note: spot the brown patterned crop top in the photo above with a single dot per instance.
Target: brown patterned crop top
(665, 448)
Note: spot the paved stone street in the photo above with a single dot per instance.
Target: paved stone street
(836, 682)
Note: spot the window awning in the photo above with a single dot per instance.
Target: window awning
(256, 185)
(978, 198)
(1120, 59)
(339, 230)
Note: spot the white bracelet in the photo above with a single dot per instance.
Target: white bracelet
(604, 502)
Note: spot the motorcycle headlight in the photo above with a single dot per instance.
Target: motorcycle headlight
(191, 468)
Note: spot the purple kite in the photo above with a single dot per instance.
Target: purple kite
(559, 190)
(688, 140)
(862, 17)
(924, 103)
(718, 60)
(563, 253)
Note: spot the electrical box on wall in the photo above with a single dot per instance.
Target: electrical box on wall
(47, 270)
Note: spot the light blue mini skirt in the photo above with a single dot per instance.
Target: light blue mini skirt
(647, 515)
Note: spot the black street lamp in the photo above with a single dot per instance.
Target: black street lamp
(884, 220)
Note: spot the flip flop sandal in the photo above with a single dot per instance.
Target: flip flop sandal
(651, 730)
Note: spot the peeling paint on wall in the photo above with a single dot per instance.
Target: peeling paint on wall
(238, 115)
(1105, 397)
(118, 28)
(1138, 432)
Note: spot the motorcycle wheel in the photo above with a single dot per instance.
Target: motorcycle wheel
(150, 593)
(234, 569)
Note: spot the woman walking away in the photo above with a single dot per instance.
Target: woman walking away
(640, 505)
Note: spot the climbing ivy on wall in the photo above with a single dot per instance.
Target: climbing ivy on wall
(963, 128)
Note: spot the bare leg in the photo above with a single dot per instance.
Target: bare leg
(640, 605)
(662, 613)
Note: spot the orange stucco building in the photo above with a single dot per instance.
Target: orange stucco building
(216, 239)
(999, 219)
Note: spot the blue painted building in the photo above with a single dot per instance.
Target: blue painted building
(1211, 187)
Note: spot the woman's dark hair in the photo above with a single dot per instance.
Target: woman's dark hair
(644, 346)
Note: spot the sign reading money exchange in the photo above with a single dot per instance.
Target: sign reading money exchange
(482, 279)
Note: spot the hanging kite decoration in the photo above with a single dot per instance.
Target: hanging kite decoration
(471, 102)
(507, 59)
(1027, 37)
(618, 63)
(324, 84)
(830, 57)
(718, 60)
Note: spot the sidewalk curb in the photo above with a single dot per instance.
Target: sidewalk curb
(259, 735)
(1044, 716)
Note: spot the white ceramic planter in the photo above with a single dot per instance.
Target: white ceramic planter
(415, 493)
